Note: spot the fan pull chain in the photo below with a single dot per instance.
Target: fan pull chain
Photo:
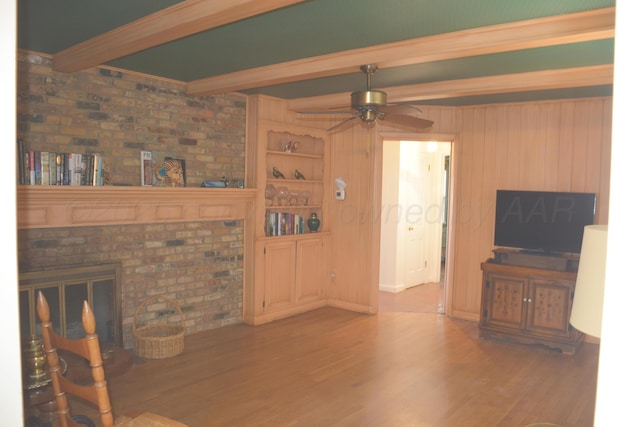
(368, 142)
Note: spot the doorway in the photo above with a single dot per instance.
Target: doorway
(414, 226)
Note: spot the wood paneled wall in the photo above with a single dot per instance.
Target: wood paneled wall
(555, 146)
(551, 145)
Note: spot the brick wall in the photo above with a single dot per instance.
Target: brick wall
(118, 115)
(200, 264)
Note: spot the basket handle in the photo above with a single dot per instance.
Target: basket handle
(155, 298)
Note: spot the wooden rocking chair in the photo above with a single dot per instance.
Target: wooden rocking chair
(96, 393)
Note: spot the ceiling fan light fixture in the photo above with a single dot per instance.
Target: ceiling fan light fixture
(368, 115)
(369, 98)
(371, 105)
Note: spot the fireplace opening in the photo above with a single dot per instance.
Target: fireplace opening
(65, 290)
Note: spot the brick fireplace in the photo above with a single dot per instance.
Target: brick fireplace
(187, 244)
(65, 289)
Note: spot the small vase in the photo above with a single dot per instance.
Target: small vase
(313, 223)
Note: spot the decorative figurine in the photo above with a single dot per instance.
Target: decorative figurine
(313, 223)
(290, 146)
(299, 175)
(277, 173)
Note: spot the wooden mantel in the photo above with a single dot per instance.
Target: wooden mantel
(51, 206)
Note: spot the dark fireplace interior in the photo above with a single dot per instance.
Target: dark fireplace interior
(65, 290)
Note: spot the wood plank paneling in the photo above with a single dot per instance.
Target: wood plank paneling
(602, 215)
(552, 148)
(566, 145)
(555, 146)
(550, 145)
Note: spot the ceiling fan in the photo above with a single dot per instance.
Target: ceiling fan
(371, 105)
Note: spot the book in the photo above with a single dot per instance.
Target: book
(99, 174)
(27, 168)
(44, 161)
(52, 169)
(147, 173)
(21, 163)
(32, 170)
(59, 168)
(37, 168)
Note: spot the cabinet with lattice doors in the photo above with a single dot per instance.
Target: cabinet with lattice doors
(528, 305)
(291, 260)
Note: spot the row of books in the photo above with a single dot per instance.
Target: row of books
(47, 168)
(283, 224)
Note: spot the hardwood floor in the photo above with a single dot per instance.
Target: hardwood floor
(426, 298)
(331, 367)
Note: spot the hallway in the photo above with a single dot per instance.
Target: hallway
(426, 298)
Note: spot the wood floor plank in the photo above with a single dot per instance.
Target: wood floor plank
(331, 367)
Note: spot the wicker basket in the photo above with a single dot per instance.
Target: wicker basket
(158, 341)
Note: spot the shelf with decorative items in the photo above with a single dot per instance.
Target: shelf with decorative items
(292, 242)
(293, 161)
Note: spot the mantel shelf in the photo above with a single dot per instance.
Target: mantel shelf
(71, 206)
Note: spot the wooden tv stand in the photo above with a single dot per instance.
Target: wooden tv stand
(530, 303)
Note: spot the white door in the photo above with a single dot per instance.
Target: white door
(414, 178)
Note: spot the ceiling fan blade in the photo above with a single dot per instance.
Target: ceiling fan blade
(411, 121)
(399, 109)
(343, 123)
(326, 112)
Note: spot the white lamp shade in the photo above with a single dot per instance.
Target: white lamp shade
(586, 314)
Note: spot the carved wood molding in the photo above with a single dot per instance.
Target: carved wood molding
(49, 207)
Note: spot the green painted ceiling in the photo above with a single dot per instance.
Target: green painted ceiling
(317, 27)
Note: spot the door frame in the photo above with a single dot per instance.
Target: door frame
(439, 137)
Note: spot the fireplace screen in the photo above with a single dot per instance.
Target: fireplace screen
(65, 290)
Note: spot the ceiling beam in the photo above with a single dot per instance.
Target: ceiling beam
(175, 22)
(507, 83)
(555, 30)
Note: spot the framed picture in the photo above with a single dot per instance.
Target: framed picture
(146, 168)
(181, 170)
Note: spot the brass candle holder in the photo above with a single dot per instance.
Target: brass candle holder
(35, 363)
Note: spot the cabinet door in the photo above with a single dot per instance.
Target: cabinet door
(550, 307)
(505, 301)
(280, 274)
(310, 269)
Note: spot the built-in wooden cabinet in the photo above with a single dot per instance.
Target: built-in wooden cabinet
(291, 262)
(528, 305)
(294, 271)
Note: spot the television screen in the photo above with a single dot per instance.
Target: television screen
(543, 221)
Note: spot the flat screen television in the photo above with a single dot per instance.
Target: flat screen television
(543, 221)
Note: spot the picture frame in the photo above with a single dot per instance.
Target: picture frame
(147, 172)
(183, 165)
